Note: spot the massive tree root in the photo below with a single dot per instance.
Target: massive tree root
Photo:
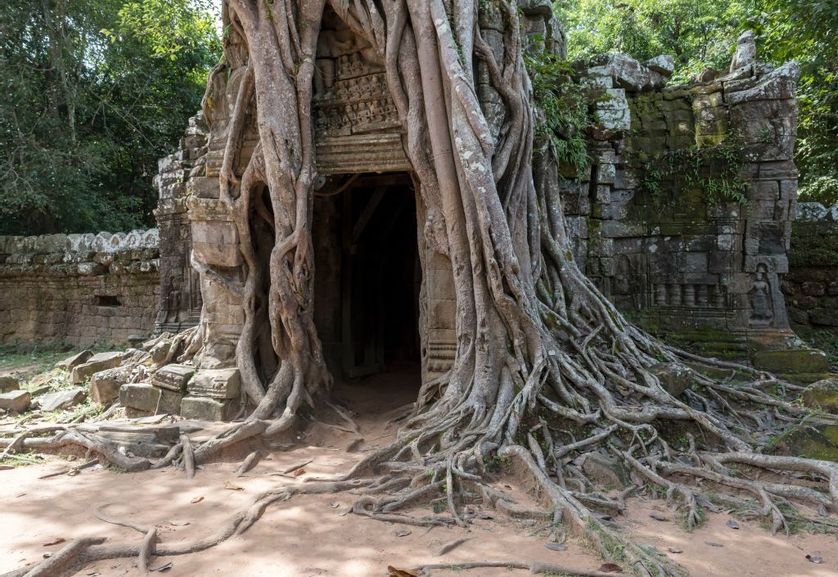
(546, 372)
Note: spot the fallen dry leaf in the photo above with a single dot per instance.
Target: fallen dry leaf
(393, 572)
(197, 500)
(55, 541)
(232, 487)
(610, 568)
(299, 472)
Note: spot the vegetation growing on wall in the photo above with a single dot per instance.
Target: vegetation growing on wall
(714, 170)
(563, 107)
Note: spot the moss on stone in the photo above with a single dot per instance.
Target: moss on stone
(814, 441)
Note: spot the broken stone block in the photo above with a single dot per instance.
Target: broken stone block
(169, 402)
(143, 397)
(810, 440)
(173, 377)
(61, 399)
(791, 361)
(627, 72)
(98, 362)
(74, 360)
(160, 351)
(663, 65)
(746, 51)
(150, 441)
(217, 384)
(204, 409)
(822, 395)
(104, 385)
(9, 383)
(673, 377)
(810, 211)
(16, 401)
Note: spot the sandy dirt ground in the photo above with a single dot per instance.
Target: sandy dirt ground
(315, 535)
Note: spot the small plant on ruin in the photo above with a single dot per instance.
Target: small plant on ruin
(714, 170)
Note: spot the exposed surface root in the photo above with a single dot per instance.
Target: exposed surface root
(535, 567)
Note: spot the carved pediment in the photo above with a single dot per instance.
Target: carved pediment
(356, 124)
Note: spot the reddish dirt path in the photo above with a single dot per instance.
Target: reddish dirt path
(312, 535)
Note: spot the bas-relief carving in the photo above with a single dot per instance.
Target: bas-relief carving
(760, 299)
(356, 123)
(350, 87)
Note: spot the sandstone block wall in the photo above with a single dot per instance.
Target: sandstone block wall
(80, 289)
(649, 223)
(811, 286)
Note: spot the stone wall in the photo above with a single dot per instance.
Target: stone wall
(657, 222)
(811, 286)
(180, 293)
(80, 289)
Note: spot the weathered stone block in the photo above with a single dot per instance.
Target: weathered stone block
(74, 360)
(9, 383)
(216, 384)
(216, 243)
(15, 401)
(173, 377)
(204, 409)
(826, 317)
(96, 363)
(814, 441)
(62, 399)
(143, 397)
(104, 385)
(673, 377)
(814, 289)
(822, 395)
(663, 64)
(791, 361)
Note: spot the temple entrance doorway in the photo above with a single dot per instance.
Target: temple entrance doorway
(368, 278)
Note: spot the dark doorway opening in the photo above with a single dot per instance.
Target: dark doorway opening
(368, 278)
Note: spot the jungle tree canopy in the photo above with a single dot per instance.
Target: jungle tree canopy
(94, 92)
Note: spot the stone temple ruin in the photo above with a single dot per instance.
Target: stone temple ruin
(706, 270)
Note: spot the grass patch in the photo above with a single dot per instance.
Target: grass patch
(32, 360)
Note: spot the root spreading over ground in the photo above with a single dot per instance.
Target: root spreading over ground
(547, 372)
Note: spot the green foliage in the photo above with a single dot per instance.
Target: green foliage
(697, 33)
(823, 189)
(714, 170)
(562, 106)
(95, 91)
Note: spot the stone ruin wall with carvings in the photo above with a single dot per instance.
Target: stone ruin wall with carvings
(704, 270)
(79, 289)
(811, 287)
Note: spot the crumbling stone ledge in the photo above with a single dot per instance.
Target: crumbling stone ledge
(79, 289)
